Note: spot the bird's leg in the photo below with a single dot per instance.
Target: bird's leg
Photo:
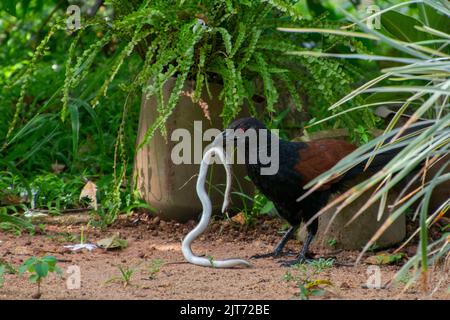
(279, 247)
(301, 258)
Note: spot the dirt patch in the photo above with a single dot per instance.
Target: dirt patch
(151, 241)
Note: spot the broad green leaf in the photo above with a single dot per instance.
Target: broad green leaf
(267, 207)
(434, 19)
(22, 269)
(41, 269)
(28, 264)
(33, 278)
(402, 27)
(50, 260)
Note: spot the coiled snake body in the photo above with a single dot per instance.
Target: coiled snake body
(216, 148)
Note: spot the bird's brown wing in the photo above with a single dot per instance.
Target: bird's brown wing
(320, 156)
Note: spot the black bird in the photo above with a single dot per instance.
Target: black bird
(299, 163)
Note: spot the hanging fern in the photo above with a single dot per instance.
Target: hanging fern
(287, 7)
(233, 43)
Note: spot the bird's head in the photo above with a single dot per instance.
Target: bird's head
(255, 142)
(238, 128)
(246, 123)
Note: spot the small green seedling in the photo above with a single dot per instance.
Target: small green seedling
(373, 248)
(5, 267)
(312, 288)
(39, 269)
(155, 268)
(9, 268)
(288, 276)
(332, 242)
(321, 264)
(126, 273)
(304, 275)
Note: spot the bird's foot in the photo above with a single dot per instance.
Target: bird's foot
(265, 255)
(299, 260)
(273, 254)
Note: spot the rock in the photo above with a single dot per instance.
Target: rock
(358, 233)
(20, 250)
(156, 220)
(36, 296)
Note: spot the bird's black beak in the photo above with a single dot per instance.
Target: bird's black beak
(228, 136)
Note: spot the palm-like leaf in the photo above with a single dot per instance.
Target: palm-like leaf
(427, 66)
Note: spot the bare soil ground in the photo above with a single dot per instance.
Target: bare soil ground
(151, 239)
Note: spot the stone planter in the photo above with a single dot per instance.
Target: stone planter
(358, 233)
(170, 188)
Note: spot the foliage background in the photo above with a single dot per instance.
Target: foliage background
(62, 103)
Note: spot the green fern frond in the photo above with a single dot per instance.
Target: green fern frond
(293, 91)
(226, 37)
(270, 91)
(200, 77)
(240, 38)
(255, 34)
(287, 7)
(138, 36)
